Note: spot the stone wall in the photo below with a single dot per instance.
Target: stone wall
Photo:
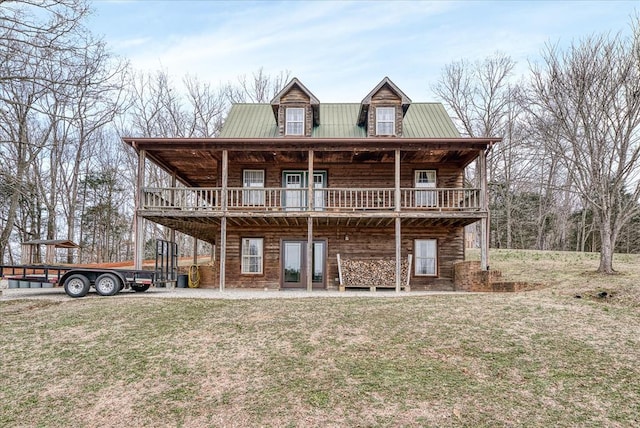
(467, 276)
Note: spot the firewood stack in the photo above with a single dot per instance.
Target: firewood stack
(371, 273)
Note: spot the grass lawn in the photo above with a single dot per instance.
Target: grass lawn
(559, 356)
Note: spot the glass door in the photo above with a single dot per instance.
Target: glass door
(294, 195)
(294, 264)
(318, 196)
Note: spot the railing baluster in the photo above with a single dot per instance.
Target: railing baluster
(333, 198)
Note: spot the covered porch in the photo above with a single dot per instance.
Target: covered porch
(206, 203)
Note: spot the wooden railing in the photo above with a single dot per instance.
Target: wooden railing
(440, 199)
(182, 198)
(330, 199)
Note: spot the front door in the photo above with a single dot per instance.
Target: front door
(294, 264)
(295, 185)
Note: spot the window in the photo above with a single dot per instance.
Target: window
(426, 252)
(295, 121)
(426, 178)
(252, 255)
(385, 120)
(253, 178)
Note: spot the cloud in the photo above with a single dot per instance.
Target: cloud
(341, 49)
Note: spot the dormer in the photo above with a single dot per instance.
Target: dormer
(296, 110)
(382, 110)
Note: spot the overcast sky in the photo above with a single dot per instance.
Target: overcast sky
(341, 49)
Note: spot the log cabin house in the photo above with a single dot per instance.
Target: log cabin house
(291, 191)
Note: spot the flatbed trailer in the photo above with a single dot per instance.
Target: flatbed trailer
(78, 280)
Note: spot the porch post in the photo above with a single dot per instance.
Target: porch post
(310, 205)
(398, 231)
(223, 220)
(138, 254)
(172, 199)
(484, 227)
(195, 250)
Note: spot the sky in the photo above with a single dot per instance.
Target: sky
(340, 50)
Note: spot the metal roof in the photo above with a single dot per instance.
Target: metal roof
(58, 243)
(250, 121)
(428, 120)
(338, 120)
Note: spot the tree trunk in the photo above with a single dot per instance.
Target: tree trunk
(607, 239)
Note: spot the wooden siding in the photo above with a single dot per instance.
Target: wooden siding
(354, 243)
(353, 175)
(295, 98)
(385, 97)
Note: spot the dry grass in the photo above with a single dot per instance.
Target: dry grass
(536, 359)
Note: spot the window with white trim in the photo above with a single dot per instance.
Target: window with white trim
(294, 121)
(385, 121)
(252, 254)
(426, 178)
(253, 178)
(426, 251)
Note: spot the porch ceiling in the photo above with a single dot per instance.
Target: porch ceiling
(207, 228)
(196, 162)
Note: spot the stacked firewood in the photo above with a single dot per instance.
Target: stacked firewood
(371, 273)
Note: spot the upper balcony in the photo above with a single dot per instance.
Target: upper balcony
(286, 201)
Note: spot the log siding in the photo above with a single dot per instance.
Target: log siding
(368, 208)
(355, 244)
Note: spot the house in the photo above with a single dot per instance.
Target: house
(291, 187)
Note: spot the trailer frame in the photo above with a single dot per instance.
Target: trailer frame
(78, 280)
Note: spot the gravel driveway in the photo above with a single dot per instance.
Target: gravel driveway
(213, 293)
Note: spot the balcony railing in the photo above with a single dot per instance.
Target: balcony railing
(329, 199)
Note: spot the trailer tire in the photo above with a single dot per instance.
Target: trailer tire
(77, 285)
(107, 284)
(140, 288)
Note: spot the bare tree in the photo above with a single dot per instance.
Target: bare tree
(485, 104)
(57, 86)
(587, 102)
(207, 108)
(260, 88)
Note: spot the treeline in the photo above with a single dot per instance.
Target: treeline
(65, 100)
(565, 177)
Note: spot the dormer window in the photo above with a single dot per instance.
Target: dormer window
(385, 120)
(295, 121)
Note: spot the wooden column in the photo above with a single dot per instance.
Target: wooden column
(138, 254)
(223, 251)
(398, 231)
(172, 198)
(310, 205)
(223, 220)
(484, 226)
(195, 250)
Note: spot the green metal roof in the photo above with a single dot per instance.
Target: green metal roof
(338, 120)
(250, 121)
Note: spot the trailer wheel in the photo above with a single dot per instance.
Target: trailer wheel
(140, 288)
(76, 285)
(107, 284)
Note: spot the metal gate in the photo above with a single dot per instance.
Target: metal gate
(166, 269)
